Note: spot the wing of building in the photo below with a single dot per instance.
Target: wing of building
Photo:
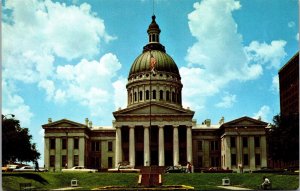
(154, 129)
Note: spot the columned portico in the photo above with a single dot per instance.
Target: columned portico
(161, 146)
(131, 146)
(146, 147)
(175, 146)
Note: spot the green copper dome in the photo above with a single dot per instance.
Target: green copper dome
(164, 63)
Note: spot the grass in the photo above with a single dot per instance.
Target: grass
(200, 181)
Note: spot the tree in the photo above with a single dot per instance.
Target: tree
(16, 142)
(283, 138)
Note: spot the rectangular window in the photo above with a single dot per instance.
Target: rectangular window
(52, 143)
(110, 162)
(63, 160)
(76, 160)
(64, 144)
(214, 145)
(233, 159)
(199, 145)
(52, 161)
(245, 159)
(232, 142)
(76, 143)
(110, 146)
(200, 161)
(245, 141)
(256, 142)
(257, 159)
(95, 146)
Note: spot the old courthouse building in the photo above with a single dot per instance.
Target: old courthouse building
(154, 128)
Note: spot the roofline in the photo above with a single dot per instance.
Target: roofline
(297, 54)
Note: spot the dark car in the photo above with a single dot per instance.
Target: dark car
(268, 170)
(175, 169)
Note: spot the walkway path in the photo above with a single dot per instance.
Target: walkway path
(234, 188)
(67, 188)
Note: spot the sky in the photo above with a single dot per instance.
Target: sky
(71, 59)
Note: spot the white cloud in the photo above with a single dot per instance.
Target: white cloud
(269, 54)
(35, 33)
(263, 112)
(297, 36)
(227, 101)
(89, 83)
(52, 29)
(218, 56)
(120, 96)
(291, 24)
(14, 104)
(275, 84)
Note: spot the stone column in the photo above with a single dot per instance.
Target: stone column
(161, 146)
(81, 150)
(47, 153)
(251, 147)
(146, 147)
(118, 146)
(263, 150)
(57, 154)
(189, 150)
(131, 146)
(175, 146)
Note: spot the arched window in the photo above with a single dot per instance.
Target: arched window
(168, 96)
(161, 95)
(147, 94)
(141, 95)
(173, 97)
(154, 94)
(153, 37)
(130, 98)
(135, 97)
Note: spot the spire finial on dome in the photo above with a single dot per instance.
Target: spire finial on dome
(153, 18)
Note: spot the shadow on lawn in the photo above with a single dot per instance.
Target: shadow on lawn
(31, 176)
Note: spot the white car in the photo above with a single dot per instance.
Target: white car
(28, 169)
(79, 169)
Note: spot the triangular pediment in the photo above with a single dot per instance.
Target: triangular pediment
(156, 108)
(245, 121)
(64, 123)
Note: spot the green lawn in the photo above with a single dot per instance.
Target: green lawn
(201, 181)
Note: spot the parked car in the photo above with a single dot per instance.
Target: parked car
(217, 170)
(268, 170)
(28, 169)
(9, 167)
(79, 169)
(175, 169)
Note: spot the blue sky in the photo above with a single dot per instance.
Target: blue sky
(70, 59)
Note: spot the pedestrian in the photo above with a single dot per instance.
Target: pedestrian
(189, 167)
(266, 183)
(37, 166)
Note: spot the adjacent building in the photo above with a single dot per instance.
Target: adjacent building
(289, 87)
(154, 129)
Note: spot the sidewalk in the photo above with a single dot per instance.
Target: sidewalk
(233, 188)
(67, 188)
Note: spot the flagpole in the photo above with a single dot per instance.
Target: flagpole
(150, 116)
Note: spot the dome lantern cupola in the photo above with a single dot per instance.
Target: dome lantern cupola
(153, 31)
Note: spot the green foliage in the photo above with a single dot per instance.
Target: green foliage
(283, 138)
(16, 142)
(200, 181)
